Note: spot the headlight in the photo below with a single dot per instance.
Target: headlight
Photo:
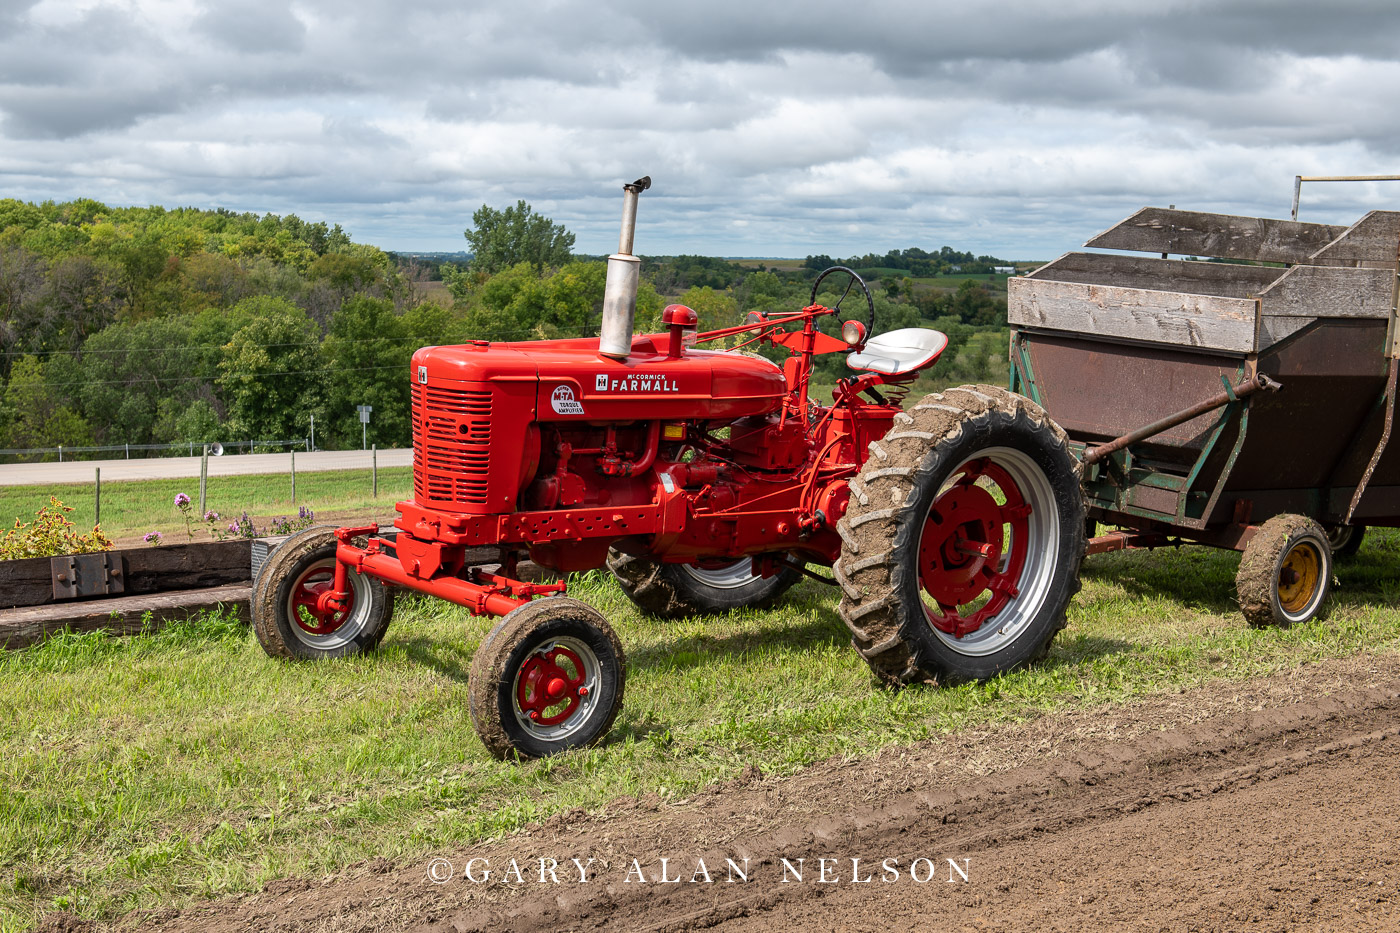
(853, 332)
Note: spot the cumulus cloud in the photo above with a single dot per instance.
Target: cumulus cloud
(781, 128)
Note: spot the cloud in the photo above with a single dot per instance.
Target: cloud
(262, 28)
(771, 129)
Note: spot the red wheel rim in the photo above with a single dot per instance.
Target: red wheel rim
(308, 602)
(550, 686)
(973, 548)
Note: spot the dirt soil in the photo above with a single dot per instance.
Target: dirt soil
(1272, 804)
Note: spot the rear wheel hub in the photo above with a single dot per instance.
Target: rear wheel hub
(973, 548)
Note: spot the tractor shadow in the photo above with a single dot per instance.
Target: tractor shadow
(447, 658)
(821, 628)
(1200, 579)
(815, 627)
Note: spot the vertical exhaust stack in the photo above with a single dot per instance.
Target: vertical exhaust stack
(624, 272)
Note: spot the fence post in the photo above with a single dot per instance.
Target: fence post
(60, 453)
(204, 481)
(128, 450)
(97, 499)
(374, 469)
(294, 475)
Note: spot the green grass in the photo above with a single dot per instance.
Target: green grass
(137, 506)
(150, 771)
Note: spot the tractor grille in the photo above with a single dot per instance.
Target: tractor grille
(451, 445)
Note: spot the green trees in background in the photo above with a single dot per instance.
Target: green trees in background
(502, 239)
(148, 325)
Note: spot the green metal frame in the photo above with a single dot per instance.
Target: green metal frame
(1110, 482)
(1022, 375)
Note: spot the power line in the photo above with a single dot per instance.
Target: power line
(513, 332)
(219, 378)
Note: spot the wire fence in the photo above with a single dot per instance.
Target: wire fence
(62, 454)
(144, 494)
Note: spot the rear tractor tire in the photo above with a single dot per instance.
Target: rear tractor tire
(549, 677)
(963, 540)
(673, 591)
(289, 621)
(1285, 573)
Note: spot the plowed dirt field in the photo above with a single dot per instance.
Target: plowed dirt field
(1272, 805)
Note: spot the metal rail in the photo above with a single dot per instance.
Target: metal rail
(1243, 390)
(1299, 179)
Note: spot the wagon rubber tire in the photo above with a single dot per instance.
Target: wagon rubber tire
(300, 565)
(673, 591)
(1285, 573)
(1345, 540)
(956, 434)
(525, 642)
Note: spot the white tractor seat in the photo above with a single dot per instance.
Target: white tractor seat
(899, 351)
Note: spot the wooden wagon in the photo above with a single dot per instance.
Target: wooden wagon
(1225, 380)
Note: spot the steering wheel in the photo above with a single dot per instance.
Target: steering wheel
(855, 280)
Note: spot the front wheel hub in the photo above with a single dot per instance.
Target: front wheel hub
(551, 685)
(315, 606)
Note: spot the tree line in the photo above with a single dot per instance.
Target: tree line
(147, 325)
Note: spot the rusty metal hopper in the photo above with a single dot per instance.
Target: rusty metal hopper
(1110, 342)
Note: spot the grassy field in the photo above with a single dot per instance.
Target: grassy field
(155, 770)
(130, 509)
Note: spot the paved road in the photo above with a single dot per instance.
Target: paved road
(41, 474)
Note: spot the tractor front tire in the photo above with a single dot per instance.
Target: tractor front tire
(549, 677)
(286, 619)
(962, 544)
(673, 591)
(1285, 572)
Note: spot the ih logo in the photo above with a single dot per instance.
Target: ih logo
(423, 375)
(600, 382)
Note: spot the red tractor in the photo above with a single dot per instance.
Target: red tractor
(704, 480)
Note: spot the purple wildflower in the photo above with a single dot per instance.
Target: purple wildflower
(211, 516)
(153, 537)
(181, 501)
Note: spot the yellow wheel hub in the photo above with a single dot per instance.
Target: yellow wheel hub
(1299, 577)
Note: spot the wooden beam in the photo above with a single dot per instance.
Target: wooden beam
(1220, 236)
(1330, 291)
(1373, 240)
(1202, 321)
(29, 582)
(122, 615)
(1225, 280)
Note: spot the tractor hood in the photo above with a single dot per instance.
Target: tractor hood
(575, 384)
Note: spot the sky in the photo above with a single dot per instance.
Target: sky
(769, 128)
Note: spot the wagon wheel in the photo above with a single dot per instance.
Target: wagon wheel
(674, 591)
(1285, 573)
(969, 572)
(1345, 540)
(291, 616)
(549, 677)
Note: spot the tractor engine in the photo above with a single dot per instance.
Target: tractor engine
(502, 428)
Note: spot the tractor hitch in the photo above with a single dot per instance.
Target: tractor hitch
(483, 593)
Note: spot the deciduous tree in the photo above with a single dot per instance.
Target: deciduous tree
(501, 239)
